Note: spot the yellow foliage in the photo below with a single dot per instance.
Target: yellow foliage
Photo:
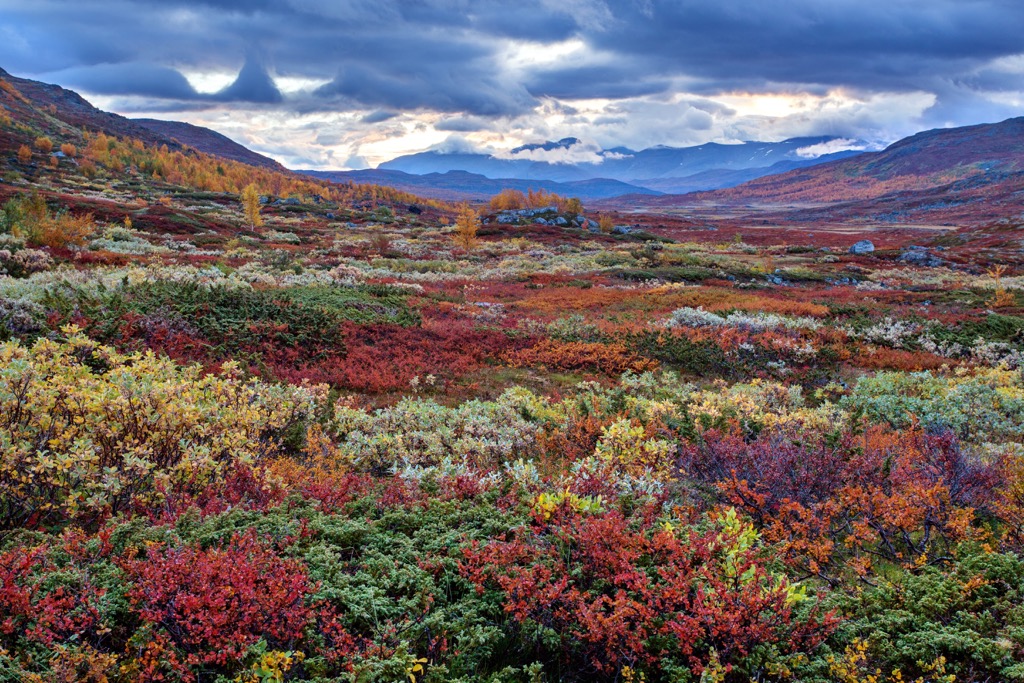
(467, 224)
(853, 667)
(24, 154)
(85, 429)
(508, 200)
(44, 145)
(627, 445)
(251, 206)
(61, 231)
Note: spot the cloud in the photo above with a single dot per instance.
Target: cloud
(830, 147)
(253, 84)
(379, 116)
(131, 78)
(617, 72)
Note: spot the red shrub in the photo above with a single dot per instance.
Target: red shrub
(610, 590)
(214, 604)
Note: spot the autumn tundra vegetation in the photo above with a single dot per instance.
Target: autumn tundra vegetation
(257, 427)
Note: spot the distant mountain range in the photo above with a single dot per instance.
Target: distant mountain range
(966, 174)
(462, 185)
(602, 173)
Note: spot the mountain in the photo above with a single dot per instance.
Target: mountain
(561, 161)
(718, 178)
(927, 160)
(461, 185)
(208, 141)
(54, 110)
(962, 176)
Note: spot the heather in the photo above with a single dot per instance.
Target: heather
(258, 427)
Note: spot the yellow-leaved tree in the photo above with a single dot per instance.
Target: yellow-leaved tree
(467, 224)
(251, 206)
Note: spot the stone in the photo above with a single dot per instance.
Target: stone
(863, 247)
(919, 256)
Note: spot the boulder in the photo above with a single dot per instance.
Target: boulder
(863, 247)
(919, 256)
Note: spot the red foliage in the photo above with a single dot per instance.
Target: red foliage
(833, 502)
(383, 358)
(212, 605)
(44, 613)
(610, 591)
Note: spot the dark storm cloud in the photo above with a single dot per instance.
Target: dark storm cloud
(608, 82)
(449, 55)
(145, 80)
(252, 85)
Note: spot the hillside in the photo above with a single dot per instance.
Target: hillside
(208, 141)
(53, 110)
(986, 153)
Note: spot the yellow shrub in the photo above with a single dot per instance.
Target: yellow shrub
(61, 231)
(85, 430)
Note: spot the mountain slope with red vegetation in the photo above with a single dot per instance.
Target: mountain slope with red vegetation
(53, 110)
(927, 160)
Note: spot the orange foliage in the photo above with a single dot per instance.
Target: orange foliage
(883, 358)
(717, 299)
(24, 154)
(508, 200)
(611, 359)
(63, 231)
(44, 145)
(190, 168)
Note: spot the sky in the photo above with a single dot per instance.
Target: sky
(344, 84)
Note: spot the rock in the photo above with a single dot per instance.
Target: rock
(579, 221)
(330, 216)
(541, 221)
(919, 256)
(621, 230)
(507, 218)
(561, 221)
(863, 247)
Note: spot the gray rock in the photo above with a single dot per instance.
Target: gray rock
(541, 221)
(621, 230)
(863, 247)
(919, 256)
(561, 221)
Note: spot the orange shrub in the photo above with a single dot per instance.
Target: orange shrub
(24, 154)
(63, 231)
(508, 200)
(44, 144)
(69, 150)
(882, 358)
(610, 359)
